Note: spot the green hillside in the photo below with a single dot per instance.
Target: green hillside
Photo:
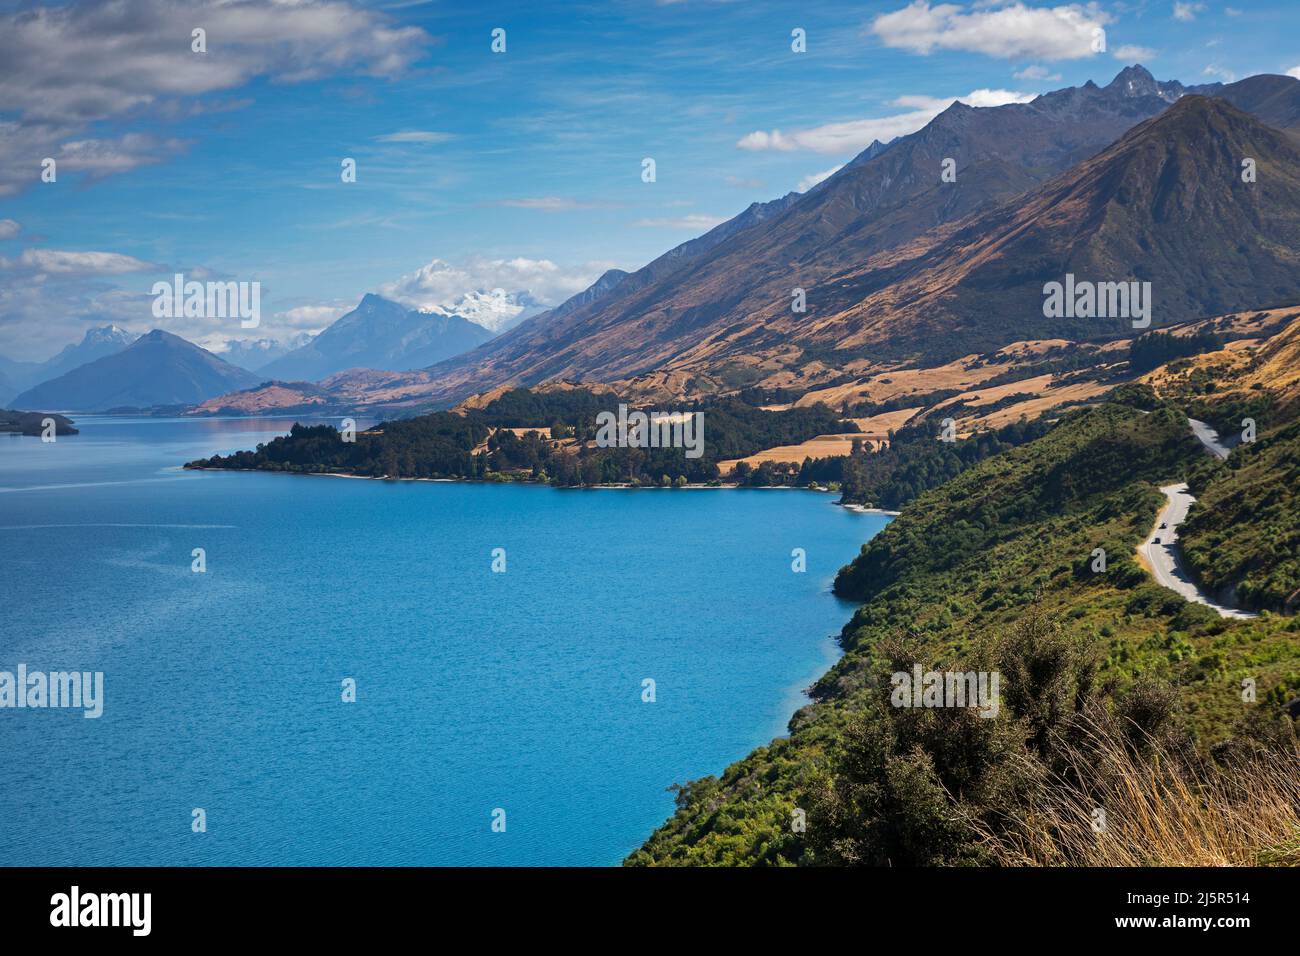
(993, 571)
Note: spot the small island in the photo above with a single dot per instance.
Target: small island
(33, 423)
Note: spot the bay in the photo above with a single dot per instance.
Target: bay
(476, 691)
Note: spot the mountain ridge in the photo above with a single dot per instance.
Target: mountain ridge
(96, 343)
(713, 314)
(158, 368)
(656, 322)
(382, 334)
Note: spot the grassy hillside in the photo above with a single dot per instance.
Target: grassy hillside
(994, 571)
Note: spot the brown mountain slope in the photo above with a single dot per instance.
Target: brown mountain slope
(1166, 204)
(901, 268)
(707, 308)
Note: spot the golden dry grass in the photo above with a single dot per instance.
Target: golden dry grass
(879, 426)
(1032, 408)
(963, 373)
(823, 446)
(1160, 810)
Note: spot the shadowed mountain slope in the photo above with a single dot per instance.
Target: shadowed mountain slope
(157, 369)
(378, 334)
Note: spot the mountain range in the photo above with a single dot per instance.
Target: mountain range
(1138, 179)
(1166, 204)
(934, 248)
(253, 354)
(379, 334)
(95, 344)
(156, 369)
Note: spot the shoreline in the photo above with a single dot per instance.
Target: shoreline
(623, 486)
(864, 510)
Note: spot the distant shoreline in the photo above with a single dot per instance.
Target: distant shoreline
(859, 509)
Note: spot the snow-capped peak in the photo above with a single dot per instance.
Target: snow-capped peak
(493, 309)
(107, 333)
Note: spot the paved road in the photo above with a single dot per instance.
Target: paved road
(1165, 558)
(1209, 438)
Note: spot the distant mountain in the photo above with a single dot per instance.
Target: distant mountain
(728, 293)
(1136, 82)
(14, 377)
(253, 354)
(360, 386)
(495, 309)
(96, 343)
(378, 334)
(1272, 99)
(157, 369)
(7, 389)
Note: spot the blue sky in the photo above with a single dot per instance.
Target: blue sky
(476, 170)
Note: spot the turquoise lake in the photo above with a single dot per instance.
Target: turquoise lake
(475, 690)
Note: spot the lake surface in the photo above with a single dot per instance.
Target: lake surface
(475, 690)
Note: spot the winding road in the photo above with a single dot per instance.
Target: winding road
(1161, 550)
(1208, 437)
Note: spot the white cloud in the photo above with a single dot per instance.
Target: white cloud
(63, 67)
(415, 136)
(1226, 75)
(1014, 31)
(855, 135)
(1187, 12)
(41, 312)
(1294, 71)
(812, 179)
(761, 140)
(87, 61)
(9, 228)
(51, 261)
(697, 222)
(104, 157)
(22, 146)
(1036, 72)
(1131, 53)
(48, 297)
(546, 203)
(311, 318)
(440, 284)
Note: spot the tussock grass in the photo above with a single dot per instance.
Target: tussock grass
(1162, 808)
